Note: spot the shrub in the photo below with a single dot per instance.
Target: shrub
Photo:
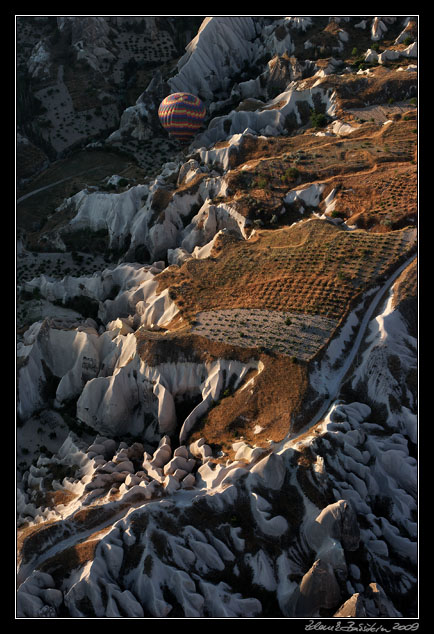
(318, 119)
(292, 173)
(262, 182)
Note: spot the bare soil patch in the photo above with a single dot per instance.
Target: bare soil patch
(271, 401)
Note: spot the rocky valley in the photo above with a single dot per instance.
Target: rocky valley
(217, 366)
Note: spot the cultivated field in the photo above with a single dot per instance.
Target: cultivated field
(287, 333)
(264, 170)
(311, 268)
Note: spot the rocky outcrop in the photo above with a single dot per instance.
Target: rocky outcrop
(117, 393)
(39, 63)
(102, 210)
(140, 121)
(231, 40)
(38, 597)
(89, 36)
(276, 117)
(122, 401)
(337, 522)
(370, 604)
(318, 589)
(156, 217)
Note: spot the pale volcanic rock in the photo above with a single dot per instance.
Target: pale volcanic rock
(178, 462)
(103, 210)
(378, 28)
(120, 325)
(37, 597)
(69, 354)
(162, 456)
(188, 481)
(270, 470)
(269, 121)
(171, 483)
(106, 403)
(339, 521)
(181, 451)
(89, 37)
(244, 452)
(200, 449)
(188, 171)
(318, 589)
(231, 39)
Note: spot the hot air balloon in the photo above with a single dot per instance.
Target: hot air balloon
(181, 114)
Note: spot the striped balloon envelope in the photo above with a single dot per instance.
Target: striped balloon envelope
(181, 114)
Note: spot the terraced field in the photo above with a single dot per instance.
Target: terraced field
(312, 268)
(288, 333)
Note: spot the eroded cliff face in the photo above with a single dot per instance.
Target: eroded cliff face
(198, 522)
(219, 421)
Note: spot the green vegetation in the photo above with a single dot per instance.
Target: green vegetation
(318, 119)
(262, 182)
(291, 174)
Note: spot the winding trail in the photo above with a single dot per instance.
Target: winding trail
(62, 180)
(341, 373)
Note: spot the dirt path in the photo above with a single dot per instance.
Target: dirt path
(76, 537)
(62, 180)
